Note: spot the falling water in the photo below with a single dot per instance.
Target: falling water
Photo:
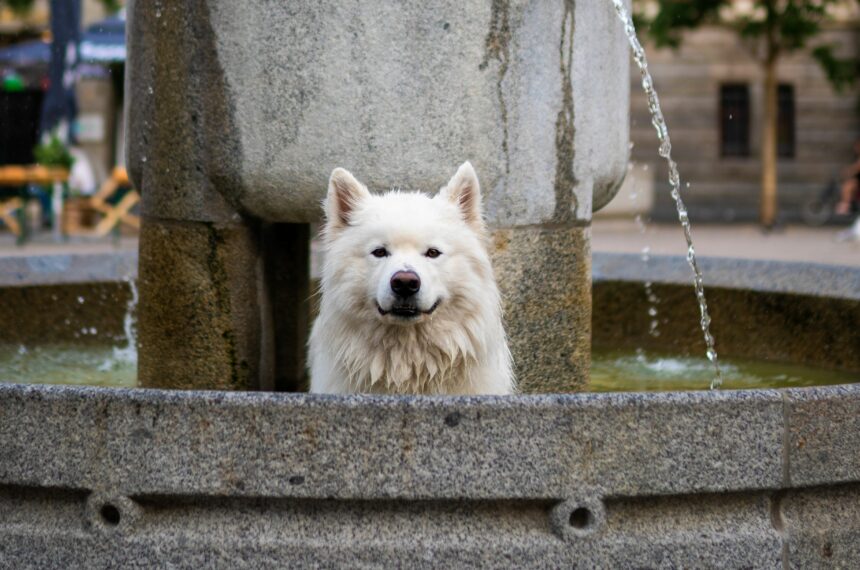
(674, 179)
(128, 353)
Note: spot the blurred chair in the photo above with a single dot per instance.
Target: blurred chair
(8, 213)
(114, 200)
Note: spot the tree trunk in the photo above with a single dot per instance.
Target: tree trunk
(768, 146)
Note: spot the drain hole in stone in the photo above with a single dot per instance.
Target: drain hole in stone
(581, 518)
(110, 514)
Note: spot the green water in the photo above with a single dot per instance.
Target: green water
(648, 371)
(67, 364)
(611, 370)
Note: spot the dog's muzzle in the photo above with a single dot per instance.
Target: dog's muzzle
(407, 311)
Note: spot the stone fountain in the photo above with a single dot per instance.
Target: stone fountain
(238, 112)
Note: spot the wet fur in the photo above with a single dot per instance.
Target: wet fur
(458, 349)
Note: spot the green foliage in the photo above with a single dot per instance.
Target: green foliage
(54, 153)
(112, 5)
(18, 6)
(23, 6)
(774, 26)
(675, 16)
(841, 72)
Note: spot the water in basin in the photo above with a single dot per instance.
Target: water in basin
(637, 370)
(628, 370)
(66, 363)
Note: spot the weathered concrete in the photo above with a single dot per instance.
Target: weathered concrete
(258, 102)
(98, 478)
(544, 276)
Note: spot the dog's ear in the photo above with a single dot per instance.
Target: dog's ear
(344, 194)
(464, 190)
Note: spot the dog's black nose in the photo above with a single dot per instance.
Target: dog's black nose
(405, 283)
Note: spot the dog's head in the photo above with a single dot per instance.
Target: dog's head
(402, 257)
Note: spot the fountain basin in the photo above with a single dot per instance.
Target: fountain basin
(97, 477)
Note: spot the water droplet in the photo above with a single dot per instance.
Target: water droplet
(80, 300)
(645, 167)
(22, 350)
(149, 90)
(143, 159)
(652, 311)
(93, 330)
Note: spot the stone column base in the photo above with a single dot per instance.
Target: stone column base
(200, 316)
(544, 274)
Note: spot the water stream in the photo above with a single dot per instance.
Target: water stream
(675, 181)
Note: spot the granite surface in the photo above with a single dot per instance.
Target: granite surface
(97, 478)
(247, 107)
(818, 451)
(799, 278)
(544, 278)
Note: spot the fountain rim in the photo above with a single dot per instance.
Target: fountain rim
(526, 401)
(140, 442)
(762, 276)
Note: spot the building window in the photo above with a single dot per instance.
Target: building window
(734, 120)
(785, 122)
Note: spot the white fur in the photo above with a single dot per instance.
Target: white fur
(459, 348)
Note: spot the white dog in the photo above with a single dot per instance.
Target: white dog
(409, 303)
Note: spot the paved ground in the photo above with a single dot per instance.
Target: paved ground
(793, 243)
(43, 244)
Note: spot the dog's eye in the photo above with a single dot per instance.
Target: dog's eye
(379, 252)
(433, 253)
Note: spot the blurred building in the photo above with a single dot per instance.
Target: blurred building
(710, 91)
